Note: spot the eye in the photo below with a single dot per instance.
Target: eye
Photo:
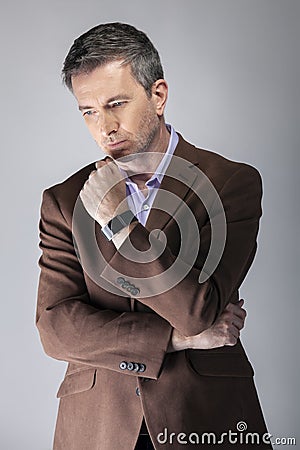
(89, 113)
(117, 104)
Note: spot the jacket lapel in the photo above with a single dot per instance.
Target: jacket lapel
(176, 184)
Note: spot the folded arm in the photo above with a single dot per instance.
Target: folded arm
(191, 307)
(72, 328)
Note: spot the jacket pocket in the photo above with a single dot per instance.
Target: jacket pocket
(77, 382)
(219, 364)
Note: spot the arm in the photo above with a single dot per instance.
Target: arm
(72, 327)
(191, 307)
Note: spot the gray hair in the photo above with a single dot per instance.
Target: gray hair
(111, 42)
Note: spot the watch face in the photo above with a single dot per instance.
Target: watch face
(121, 221)
(116, 225)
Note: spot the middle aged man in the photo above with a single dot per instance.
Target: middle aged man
(143, 255)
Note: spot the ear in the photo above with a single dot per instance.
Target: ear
(160, 95)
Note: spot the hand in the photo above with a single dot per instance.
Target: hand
(104, 193)
(225, 331)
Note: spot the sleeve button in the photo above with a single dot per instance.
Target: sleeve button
(136, 367)
(123, 365)
(142, 368)
(130, 366)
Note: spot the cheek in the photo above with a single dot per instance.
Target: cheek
(137, 117)
(148, 120)
(129, 123)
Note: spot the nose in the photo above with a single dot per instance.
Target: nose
(108, 124)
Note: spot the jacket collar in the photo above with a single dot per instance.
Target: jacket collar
(175, 186)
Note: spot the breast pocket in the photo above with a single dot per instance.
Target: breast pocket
(76, 382)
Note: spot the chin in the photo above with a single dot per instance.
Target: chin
(114, 153)
(122, 156)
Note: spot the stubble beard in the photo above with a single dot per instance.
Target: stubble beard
(146, 139)
(135, 163)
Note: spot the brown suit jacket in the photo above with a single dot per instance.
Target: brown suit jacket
(100, 325)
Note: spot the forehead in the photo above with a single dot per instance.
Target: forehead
(105, 81)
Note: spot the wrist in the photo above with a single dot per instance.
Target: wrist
(122, 235)
(180, 342)
(118, 223)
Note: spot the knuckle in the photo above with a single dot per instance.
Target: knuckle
(226, 316)
(232, 340)
(225, 327)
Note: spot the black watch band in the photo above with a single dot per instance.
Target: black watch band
(117, 223)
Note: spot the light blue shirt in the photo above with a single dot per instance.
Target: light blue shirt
(137, 202)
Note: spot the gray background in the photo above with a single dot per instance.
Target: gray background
(233, 72)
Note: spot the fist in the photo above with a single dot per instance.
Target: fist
(226, 329)
(104, 193)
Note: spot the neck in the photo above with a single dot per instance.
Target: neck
(161, 140)
(150, 159)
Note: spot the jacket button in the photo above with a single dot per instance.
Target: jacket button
(142, 368)
(138, 392)
(123, 365)
(130, 366)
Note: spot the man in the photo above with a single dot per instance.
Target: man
(130, 293)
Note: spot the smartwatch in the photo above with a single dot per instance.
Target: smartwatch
(117, 223)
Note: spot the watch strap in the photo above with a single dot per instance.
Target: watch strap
(117, 223)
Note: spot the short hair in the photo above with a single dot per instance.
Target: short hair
(109, 42)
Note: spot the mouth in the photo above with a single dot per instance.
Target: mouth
(116, 145)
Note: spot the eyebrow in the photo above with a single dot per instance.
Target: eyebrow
(110, 100)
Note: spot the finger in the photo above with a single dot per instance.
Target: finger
(238, 304)
(99, 164)
(103, 162)
(235, 332)
(232, 340)
(233, 317)
(237, 310)
(232, 330)
(241, 313)
(238, 323)
(92, 173)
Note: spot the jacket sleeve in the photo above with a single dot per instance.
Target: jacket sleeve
(190, 306)
(71, 328)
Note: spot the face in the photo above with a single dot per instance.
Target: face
(122, 119)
